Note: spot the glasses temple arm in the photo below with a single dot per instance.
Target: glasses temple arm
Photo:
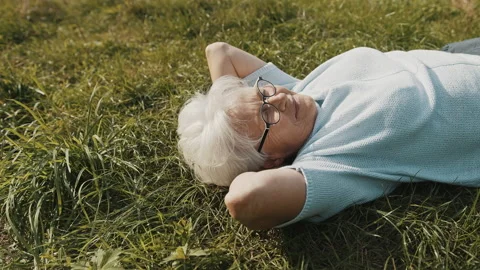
(263, 138)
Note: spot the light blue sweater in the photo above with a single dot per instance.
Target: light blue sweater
(384, 119)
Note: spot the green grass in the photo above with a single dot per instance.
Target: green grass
(89, 169)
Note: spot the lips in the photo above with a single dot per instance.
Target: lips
(295, 104)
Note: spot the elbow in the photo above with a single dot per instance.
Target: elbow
(234, 204)
(216, 47)
(241, 209)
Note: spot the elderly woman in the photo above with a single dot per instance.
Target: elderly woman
(350, 132)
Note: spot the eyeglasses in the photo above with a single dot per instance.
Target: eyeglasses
(270, 114)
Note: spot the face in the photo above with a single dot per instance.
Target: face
(297, 118)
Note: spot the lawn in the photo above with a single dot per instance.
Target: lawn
(90, 174)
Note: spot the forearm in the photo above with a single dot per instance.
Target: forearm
(262, 200)
(224, 59)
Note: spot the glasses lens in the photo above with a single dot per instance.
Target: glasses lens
(266, 88)
(270, 114)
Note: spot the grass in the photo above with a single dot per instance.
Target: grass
(90, 176)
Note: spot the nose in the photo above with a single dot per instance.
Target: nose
(279, 100)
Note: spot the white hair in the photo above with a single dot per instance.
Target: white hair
(210, 139)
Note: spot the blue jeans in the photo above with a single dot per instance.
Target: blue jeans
(470, 46)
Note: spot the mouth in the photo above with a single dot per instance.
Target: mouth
(296, 106)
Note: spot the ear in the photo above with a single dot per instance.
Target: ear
(273, 163)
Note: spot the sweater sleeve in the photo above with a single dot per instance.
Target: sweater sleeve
(273, 74)
(331, 191)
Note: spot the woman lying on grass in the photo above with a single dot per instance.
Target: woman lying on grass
(350, 132)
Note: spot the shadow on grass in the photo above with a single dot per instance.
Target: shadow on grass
(420, 225)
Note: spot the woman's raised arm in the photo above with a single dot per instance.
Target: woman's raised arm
(264, 199)
(225, 59)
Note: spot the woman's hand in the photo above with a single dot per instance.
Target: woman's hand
(224, 59)
(262, 200)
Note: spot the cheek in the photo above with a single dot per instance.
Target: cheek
(287, 128)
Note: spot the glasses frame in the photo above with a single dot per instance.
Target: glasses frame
(265, 102)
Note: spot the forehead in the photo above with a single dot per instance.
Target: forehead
(250, 95)
(246, 104)
(245, 112)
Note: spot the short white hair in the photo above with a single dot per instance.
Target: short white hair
(210, 138)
